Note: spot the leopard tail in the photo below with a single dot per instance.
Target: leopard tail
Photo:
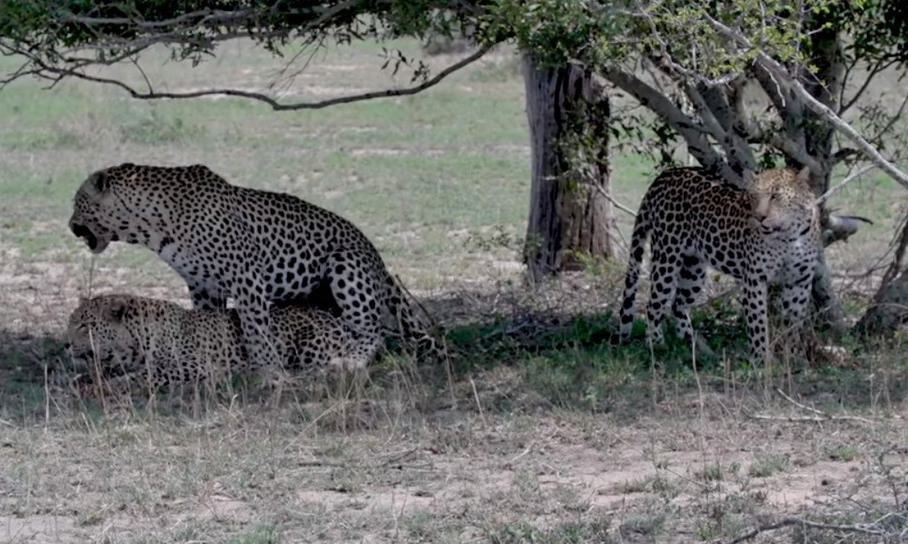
(639, 237)
(409, 322)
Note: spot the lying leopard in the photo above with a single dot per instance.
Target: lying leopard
(160, 344)
(255, 247)
(769, 234)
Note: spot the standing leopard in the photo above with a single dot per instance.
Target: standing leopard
(769, 234)
(255, 247)
(158, 344)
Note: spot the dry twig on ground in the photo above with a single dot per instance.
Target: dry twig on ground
(819, 417)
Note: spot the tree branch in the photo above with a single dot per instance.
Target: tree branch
(876, 69)
(843, 154)
(689, 129)
(772, 66)
(892, 120)
(846, 76)
(714, 111)
(210, 18)
(717, 99)
(796, 149)
(833, 190)
(828, 115)
(192, 18)
(772, 88)
(608, 196)
(792, 142)
(737, 152)
(56, 73)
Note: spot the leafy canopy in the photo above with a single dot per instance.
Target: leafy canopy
(556, 32)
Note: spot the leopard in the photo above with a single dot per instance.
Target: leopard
(159, 344)
(253, 247)
(765, 235)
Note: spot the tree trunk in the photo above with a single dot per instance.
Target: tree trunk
(570, 216)
(824, 84)
(889, 309)
(890, 304)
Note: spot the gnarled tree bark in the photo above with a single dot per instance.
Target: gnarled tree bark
(569, 215)
(889, 310)
(890, 304)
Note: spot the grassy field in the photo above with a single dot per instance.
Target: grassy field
(541, 433)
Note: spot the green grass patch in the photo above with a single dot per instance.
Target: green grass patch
(843, 452)
(716, 472)
(564, 533)
(768, 465)
(265, 534)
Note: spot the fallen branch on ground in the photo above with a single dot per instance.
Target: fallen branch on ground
(818, 417)
(872, 529)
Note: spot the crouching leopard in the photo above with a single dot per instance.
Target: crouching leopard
(255, 247)
(158, 344)
(769, 234)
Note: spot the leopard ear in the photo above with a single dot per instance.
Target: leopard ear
(116, 310)
(100, 181)
(803, 176)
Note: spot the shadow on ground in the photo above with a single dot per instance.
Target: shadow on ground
(524, 350)
(26, 363)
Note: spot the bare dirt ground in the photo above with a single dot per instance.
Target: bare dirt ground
(681, 468)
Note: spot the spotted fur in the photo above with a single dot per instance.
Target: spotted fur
(254, 247)
(767, 235)
(159, 343)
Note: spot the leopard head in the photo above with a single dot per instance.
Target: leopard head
(783, 201)
(117, 203)
(97, 332)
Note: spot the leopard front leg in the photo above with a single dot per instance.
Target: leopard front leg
(263, 348)
(794, 303)
(755, 306)
(204, 298)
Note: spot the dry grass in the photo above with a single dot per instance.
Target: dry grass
(399, 460)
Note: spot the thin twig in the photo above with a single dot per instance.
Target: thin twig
(878, 67)
(790, 419)
(46, 400)
(482, 415)
(825, 196)
(611, 199)
(520, 455)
